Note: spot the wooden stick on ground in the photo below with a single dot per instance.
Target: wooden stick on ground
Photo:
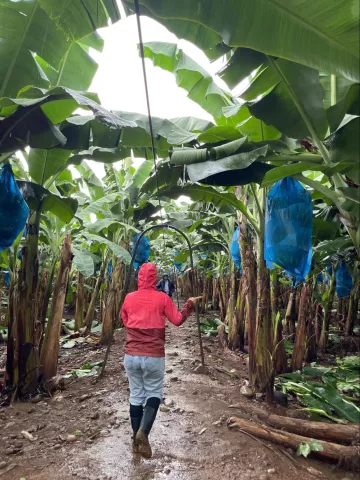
(323, 431)
(331, 451)
(271, 449)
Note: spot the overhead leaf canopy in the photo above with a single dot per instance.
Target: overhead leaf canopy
(54, 31)
(79, 18)
(340, 85)
(39, 198)
(199, 84)
(322, 34)
(209, 195)
(31, 118)
(349, 104)
(45, 163)
(278, 107)
(237, 169)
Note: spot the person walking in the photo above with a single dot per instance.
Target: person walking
(143, 315)
(166, 285)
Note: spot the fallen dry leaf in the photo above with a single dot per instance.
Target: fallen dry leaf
(28, 436)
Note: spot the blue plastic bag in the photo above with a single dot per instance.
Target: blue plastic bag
(288, 228)
(235, 250)
(343, 281)
(320, 278)
(7, 277)
(142, 252)
(109, 270)
(13, 209)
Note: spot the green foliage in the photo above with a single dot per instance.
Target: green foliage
(211, 195)
(189, 75)
(285, 107)
(209, 327)
(83, 262)
(329, 396)
(242, 62)
(79, 19)
(166, 133)
(89, 369)
(45, 163)
(33, 117)
(277, 107)
(255, 129)
(331, 95)
(59, 33)
(278, 173)
(239, 169)
(39, 198)
(118, 251)
(142, 173)
(321, 35)
(348, 104)
(344, 146)
(305, 448)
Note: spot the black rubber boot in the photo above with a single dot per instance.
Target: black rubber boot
(148, 419)
(136, 414)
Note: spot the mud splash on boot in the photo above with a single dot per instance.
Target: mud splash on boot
(143, 444)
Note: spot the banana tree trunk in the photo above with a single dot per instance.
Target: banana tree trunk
(290, 316)
(327, 315)
(9, 320)
(39, 308)
(26, 356)
(102, 299)
(237, 330)
(318, 322)
(45, 305)
(215, 295)
(80, 302)
(119, 293)
(250, 295)
(50, 350)
(298, 355)
(298, 298)
(110, 309)
(231, 301)
(339, 312)
(264, 345)
(353, 308)
(91, 309)
(344, 312)
(279, 357)
(311, 352)
(222, 299)
(240, 313)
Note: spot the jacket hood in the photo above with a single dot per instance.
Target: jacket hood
(147, 276)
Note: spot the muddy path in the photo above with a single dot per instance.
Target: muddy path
(190, 438)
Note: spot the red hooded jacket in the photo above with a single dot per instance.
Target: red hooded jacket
(144, 312)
